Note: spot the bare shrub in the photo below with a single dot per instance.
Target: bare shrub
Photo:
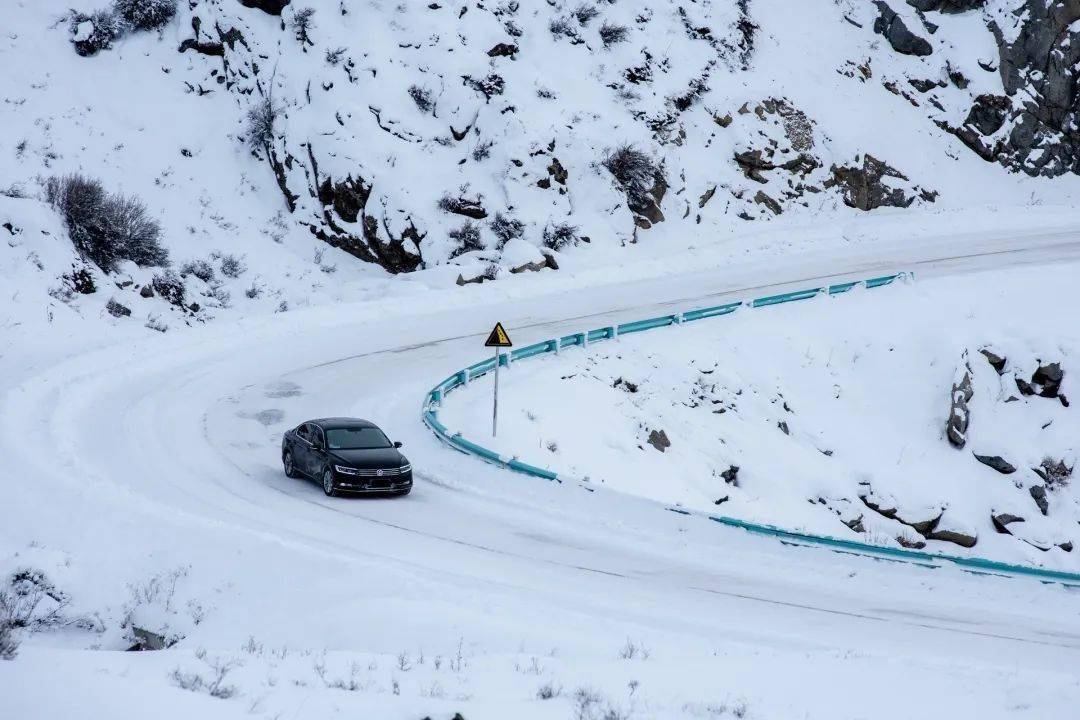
(560, 235)
(467, 237)
(169, 286)
(95, 32)
(261, 118)
(422, 98)
(612, 34)
(631, 650)
(106, 228)
(634, 171)
(231, 265)
(199, 268)
(213, 685)
(333, 57)
(489, 86)
(145, 14)
(562, 27)
(547, 691)
(9, 641)
(505, 228)
(482, 151)
(303, 22)
(585, 12)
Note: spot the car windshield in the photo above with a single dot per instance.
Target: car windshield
(360, 438)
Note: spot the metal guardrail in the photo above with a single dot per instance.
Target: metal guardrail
(460, 379)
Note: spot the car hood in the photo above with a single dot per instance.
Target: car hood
(377, 458)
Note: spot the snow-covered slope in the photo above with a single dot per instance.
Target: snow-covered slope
(400, 133)
(829, 416)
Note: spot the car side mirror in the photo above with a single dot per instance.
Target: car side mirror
(398, 443)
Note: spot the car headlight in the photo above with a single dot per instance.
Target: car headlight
(406, 467)
(346, 470)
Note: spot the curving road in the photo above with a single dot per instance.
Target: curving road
(165, 453)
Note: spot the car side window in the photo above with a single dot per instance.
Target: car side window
(302, 433)
(317, 437)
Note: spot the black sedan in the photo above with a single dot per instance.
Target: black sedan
(347, 456)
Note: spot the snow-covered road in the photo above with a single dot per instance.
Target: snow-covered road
(138, 458)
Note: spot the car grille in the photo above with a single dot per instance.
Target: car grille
(386, 472)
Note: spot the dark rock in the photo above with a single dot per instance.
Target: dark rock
(988, 113)
(1049, 376)
(752, 163)
(997, 462)
(1064, 400)
(959, 413)
(1038, 494)
(903, 41)
(503, 50)
(1039, 68)
(923, 527)
(1024, 387)
(856, 524)
(996, 361)
(863, 189)
(535, 266)
(731, 475)
(146, 291)
(946, 6)
(910, 544)
(954, 536)
(116, 309)
(272, 7)
(149, 640)
(659, 440)
(924, 86)
(887, 512)
(557, 172)
(1067, 546)
(762, 198)
(626, 385)
(1001, 522)
(784, 427)
(722, 500)
(214, 49)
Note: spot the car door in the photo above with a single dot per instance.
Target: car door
(316, 452)
(300, 448)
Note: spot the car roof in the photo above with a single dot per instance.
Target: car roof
(342, 422)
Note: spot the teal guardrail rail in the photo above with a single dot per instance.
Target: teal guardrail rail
(460, 379)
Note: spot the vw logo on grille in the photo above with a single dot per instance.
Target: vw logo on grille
(379, 473)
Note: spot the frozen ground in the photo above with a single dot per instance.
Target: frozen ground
(157, 458)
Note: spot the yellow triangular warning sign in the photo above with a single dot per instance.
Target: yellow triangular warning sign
(498, 337)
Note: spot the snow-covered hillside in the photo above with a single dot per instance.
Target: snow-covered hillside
(318, 141)
(830, 416)
(219, 218)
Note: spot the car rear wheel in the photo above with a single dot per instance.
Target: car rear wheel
(290, 466)
(328, 483)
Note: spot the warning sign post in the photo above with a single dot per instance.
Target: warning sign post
(498, 339)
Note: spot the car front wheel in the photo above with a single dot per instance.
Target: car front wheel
(290, 466)
(328, 483)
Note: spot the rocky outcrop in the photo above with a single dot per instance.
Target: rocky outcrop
(946, 6)
(659, 440)
(996, 361)
(902, 40)
(271, 7)
(959, 414)
(1038, 494)
(1039, 71)
(1048, 378)
(862, 185)
(997, 462)
(1002, 521)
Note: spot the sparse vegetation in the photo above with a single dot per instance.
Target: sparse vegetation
(145, 14)
(106, 228)
(547, 691)
(199, 268)
(170, 287)
(482, 151)
(560, 235)
(303, 22)
(422, 98)
(505, 228)
(585, 12)
(612, 34)
(260, 123)
(93, 33)
(562, 27)
(466, 238)
(333, 57)
(634, 171)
